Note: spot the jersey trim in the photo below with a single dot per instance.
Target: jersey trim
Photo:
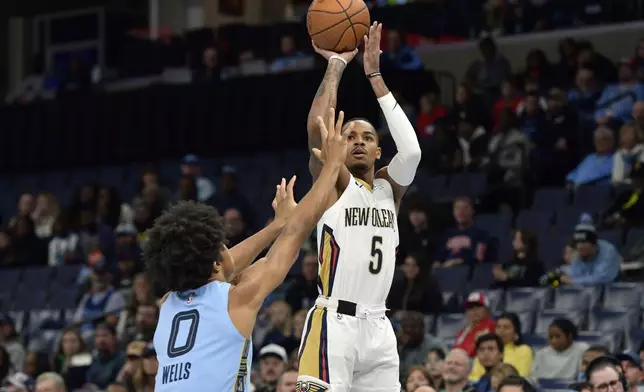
(329, 255)
(314, 356)
(242, 372)
(360, 183)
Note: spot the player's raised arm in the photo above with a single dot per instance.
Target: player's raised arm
(246, 251)
(269, 272)
(402, 169)
(325, 99)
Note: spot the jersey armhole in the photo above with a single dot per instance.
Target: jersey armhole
(341, 199)
(230, 319)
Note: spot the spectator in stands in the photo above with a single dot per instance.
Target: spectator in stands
(584, 96)
(515, 352)
(7, 254)
(597, 260)
(473, 143)
(616, 102)
(85, 199)
(638, 118)
(555, 152)
(281, 326)
(430, 111)
(299, 321)
(515, 384)
(29, 249)
(419, 236)
(628, 208)
(538, 67)
(235, 224)
(108, 360)
(487, 73)
(479, 322)
(5, 364)
(399, 55)
(191, 167)
(561, 358)
(46, 211)
(489, 353)
(417, 376)
(128, 259)
(287, 59)
(50, 382)
(64, 246)
(287, 381)
(464, 244)
(110, 210)
(631, 151)
(10, 341)
(510, 99)
(101, 301)
(589, 355)
(532, 115)
(186, 189)
(303, 292)
(20, 382)
(210, 69)
(457, 367)
(525, 268)
(606, 375)
(71, 343)
(26, 206)
(418, 290)
(566, 69)
(143, 220)
(468, 106)
(231, 196)
(133, 352)
(93, 235)
(587, 57)
(144, 377)
(147, 316)
(272, 362)
(499, 373)
(434, 365)
(36, 363)
(597, 167)
(150, 179)
(413, 342)
(638, 60)
(632, 366)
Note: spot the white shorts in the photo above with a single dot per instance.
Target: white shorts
(344, 353)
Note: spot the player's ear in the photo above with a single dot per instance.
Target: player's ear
(378, 153)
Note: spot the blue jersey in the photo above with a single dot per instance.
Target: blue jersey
(197, 345)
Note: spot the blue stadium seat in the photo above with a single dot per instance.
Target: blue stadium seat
(592, 198)
(482, 277)
(535, 341)
(63, 298)
(566, 220)
(67, 275)
(432, 187)
(549, 383)
(19, 319)
(467, 184)
(452, 279)
(9, 280)
(612, 236)
(448, 325)
(496, 225)
(429, 321)
(608, 320)
(551, 247)
(527, 319)
(633, 236)
(495, 297)
(36, 277)
(568, 297)
(550, 199)
(605, 338)
(523, 299)
(634, 339)
(545, 318)
(536, 221)
(30, 299)
(620, 296)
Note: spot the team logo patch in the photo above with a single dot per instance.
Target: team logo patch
(191, 298)
(310, 386)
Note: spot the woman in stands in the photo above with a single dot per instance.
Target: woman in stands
(525, 268)
(434, 366)
(417, 376)
(70, 344)
(562, 357)
(499, 373)
(515, 353)
(418, 291)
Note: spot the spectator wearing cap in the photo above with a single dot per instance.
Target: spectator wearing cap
(102, 300)
(414, 344)
(191, 167)
(631, 151)
(9, 339)
(134, 353)
(50, 382)
(231, 196)
(563, 355)
(272, 362)
(479, 322)
(20, 382)
(628, 207)
(616, 102)
(144, 376)
(597, 261)
(597, 167)
(515, 352)
(107, 360)
(465, 244)
(633, 372)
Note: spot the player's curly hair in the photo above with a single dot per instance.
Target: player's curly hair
(182, 246)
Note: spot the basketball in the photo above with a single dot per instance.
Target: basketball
(338, 25)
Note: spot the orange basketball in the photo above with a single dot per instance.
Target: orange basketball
(338, 25)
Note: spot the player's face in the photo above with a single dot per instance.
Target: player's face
(363, 147)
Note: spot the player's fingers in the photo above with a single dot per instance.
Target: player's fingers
(345, 135)
(338, 125)
(291, 186)
(331, 121)
(318, 154)
(283, 189)
(277, 194)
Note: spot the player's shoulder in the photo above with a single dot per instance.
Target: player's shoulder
(383, 186)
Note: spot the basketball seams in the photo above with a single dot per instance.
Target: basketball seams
(355, 35)
(337, 23)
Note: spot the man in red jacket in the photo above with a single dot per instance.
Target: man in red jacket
(479, 322)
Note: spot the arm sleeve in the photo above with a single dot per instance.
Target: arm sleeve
(402, 168)
(605, 271)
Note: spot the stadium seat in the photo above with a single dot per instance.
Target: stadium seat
(535, 341)
(452, 279)
(467, 184)
(608, 320)
(549, 383)
(9, 281)
(545, 318)
(67, 275)
(551, 246)
(568, 297)
(496, 225)
(448, 325)
(29, 299)
(612, 236)
(633, 236)
(482, 277)
(527, 321)
(566, 220)
(523, 299)
(64, 298)
(36, 277)
(620, 296)
(495, 297)
(634, 339)
(550, 199)
(592, 198)
(536, 221)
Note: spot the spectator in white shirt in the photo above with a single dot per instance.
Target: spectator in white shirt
(191, 167)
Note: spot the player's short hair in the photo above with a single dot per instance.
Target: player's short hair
(352, 119)
(182, 246)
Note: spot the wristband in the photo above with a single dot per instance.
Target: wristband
(338, 58)
(373, 75)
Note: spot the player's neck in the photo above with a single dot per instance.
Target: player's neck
(366, 177)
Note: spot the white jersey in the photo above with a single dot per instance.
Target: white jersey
(357, 241)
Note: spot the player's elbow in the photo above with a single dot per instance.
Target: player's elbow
(415, 154)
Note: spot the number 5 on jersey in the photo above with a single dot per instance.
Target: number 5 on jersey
(375, 265)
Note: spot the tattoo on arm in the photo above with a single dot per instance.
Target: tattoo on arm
(325, 98)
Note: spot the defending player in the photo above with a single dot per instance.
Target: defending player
(203, 335)
(349, 344)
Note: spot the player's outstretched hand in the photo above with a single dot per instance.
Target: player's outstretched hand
(346, 56)
(334, 140)
(284, 201)
(372, 52)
